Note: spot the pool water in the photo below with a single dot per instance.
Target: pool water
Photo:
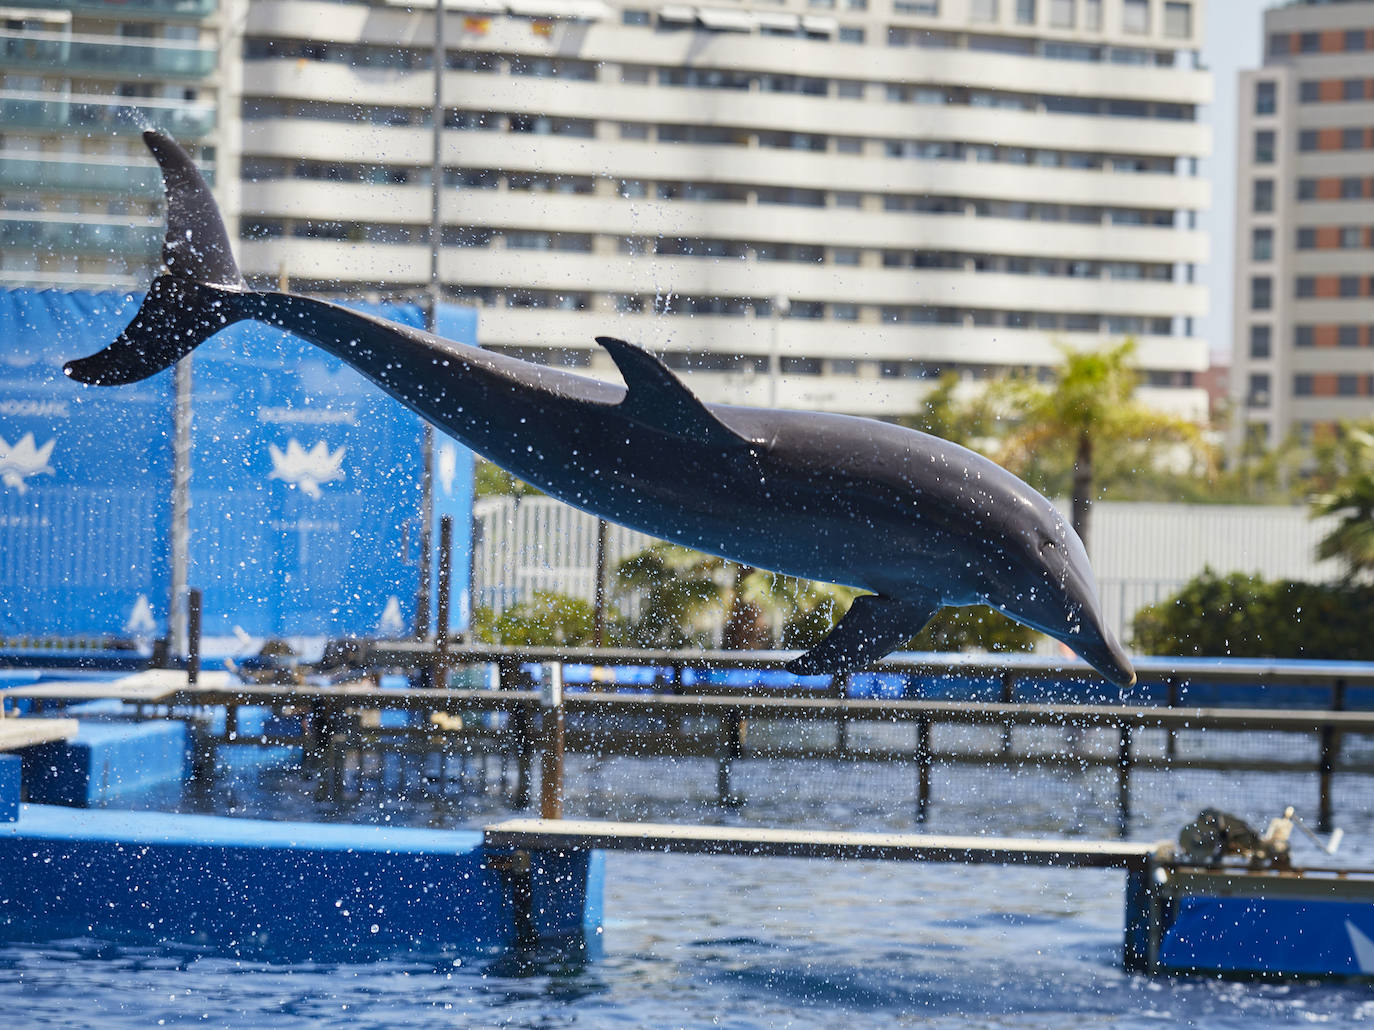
(694, 941)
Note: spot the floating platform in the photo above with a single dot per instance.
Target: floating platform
(285, 891)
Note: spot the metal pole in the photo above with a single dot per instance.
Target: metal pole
(433, 296)
(599, 595)
(551, 765)
(192, 638)
(179, 559)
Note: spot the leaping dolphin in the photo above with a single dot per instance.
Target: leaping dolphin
(919, 521)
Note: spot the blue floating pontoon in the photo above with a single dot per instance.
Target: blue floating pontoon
(286, 891)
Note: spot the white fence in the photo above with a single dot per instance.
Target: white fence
(1141, 553)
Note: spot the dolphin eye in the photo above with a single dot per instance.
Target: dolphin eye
(1044, 544)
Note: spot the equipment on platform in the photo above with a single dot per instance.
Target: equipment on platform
(1216, 835)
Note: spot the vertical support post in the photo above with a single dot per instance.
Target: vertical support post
(731, 748)
(1008, 696)
(1171, 736)
(1123, 781)
(1145, 915)
(193, 611)
(839, 688)
(507, 673)
(1330, 755)
(551, 763)
(922, 770)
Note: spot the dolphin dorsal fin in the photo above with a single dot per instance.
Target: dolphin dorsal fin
(657, 398)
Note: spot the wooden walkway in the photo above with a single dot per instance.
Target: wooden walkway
(19, 733)
(585, 835)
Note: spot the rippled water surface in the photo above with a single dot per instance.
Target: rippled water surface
(696, 941)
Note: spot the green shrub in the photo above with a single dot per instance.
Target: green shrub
(1242, 616)
(546, 620)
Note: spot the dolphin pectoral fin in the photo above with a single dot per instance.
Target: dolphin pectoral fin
(872, 627)
(657, 398)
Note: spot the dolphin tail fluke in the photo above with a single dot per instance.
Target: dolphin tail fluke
(191, 300)
(872, 627)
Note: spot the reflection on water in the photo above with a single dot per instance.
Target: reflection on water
(698, 941)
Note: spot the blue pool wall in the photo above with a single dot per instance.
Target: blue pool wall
(279, 890)
(107, 761)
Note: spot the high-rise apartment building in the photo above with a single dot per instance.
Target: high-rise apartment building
(822, 203)
(79, 79)
(825, 202)
(1304, 301)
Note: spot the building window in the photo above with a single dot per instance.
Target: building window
(1261, 341)
(1264, 147)
(631, 16)
(1261, 244)
(1352, 139)
(1302, 386)
(851, 34)
(1261, 292)
(1348, 336)
(1309, 42)
(1266, 97)
(1307, 189)
(1347, 385)
(1278, 44)
(1352, 236)
(1092, 15)
(1307, 238)
(1303, 337)
(1263, 199)
(1309, 91)
(1305, 286)
(1025, 12)
(1352, 89)
(983, 10)
(1258, 394)
(1350, 286)
(1355, 39)
(1178, 19)
(1062, 14)
(1135, 16)
(1308, 140)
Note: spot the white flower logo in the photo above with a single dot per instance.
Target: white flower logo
(22, 460)
(306, 469)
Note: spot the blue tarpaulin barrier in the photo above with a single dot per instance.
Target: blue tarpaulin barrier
(305, 483)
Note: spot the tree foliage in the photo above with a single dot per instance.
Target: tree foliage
(546, 620)
(1242, 616)
(1086, 429)
(1351, 498)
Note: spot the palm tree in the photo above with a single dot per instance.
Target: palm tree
(1087, 417)
(1352, 498)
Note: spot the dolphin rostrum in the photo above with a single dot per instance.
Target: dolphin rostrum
(919, 521)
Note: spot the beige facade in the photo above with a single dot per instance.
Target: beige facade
(825, 205)
(1304, 301)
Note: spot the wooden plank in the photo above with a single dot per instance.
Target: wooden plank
(20, 733)
(580, 835)
(153, 686)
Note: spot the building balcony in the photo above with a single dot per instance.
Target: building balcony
(105, 54)
(124, 10)
(108, 114)
(54, 235)
(73, 175)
